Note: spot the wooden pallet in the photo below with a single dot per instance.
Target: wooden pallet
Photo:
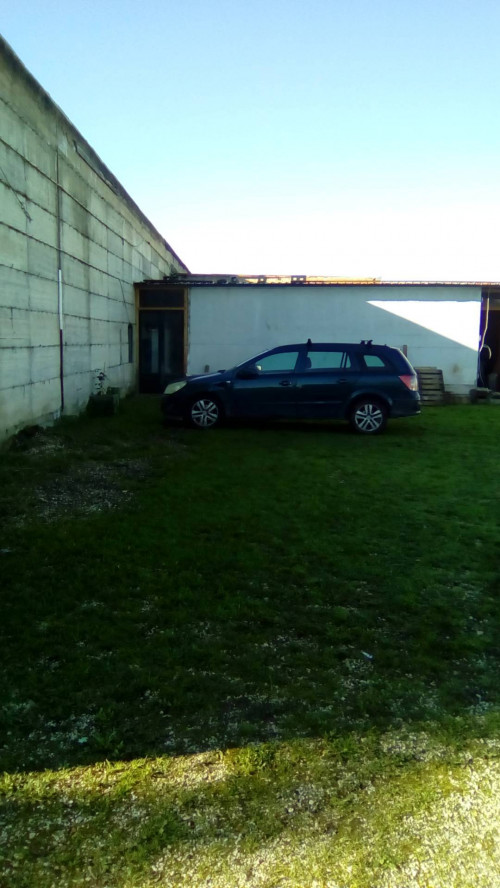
(431, 385)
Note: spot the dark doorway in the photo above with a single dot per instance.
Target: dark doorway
(489, 353)
(161, 349)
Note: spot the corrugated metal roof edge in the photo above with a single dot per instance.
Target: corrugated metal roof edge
(212, 280)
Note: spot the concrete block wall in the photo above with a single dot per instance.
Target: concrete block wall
(61, 208)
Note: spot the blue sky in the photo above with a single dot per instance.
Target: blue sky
(341, 137)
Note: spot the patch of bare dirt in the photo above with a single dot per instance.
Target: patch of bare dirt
(88, 488)
(71, 482)
(33, 440)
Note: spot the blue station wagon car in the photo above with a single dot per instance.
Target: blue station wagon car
(363, 383)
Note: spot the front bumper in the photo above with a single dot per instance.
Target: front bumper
(172, 407)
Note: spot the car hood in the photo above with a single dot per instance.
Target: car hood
(207, 377)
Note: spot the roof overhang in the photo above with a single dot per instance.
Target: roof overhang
(270, 280)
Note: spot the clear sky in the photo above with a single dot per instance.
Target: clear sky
(328, 137)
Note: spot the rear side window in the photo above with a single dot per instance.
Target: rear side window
(327, 360)
(374, 361)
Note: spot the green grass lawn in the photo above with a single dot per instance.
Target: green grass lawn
(253, 656)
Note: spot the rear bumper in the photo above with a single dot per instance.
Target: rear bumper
(406, 406)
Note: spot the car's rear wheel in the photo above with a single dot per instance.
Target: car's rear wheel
(204, 412)
(368, 416)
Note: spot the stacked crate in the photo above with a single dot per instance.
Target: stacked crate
(431, 385)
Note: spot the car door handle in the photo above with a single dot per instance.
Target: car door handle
(285, 382)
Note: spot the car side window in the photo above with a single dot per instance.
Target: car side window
(280, 362)
(374, 361)
(327, 360)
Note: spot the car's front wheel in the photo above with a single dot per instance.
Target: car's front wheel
(204, 413)
(368, 416)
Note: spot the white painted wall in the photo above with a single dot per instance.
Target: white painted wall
(54, 190)
(438, 324)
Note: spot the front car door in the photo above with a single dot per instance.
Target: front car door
(324, 380)
(265, 386)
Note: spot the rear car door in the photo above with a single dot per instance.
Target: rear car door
(325, 379)
(266, 385)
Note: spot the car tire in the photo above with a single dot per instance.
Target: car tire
(204, 412)
(368, 416)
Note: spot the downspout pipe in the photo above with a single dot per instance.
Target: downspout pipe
(61, 334)
(60, 303)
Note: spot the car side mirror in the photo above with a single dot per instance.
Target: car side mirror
(248, 372)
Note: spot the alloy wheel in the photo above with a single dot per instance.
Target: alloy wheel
(205, 413)
(368, 417)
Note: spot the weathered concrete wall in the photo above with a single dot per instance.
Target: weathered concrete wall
(61, 208)
(438, 324)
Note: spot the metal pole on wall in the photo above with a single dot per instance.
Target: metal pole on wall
(61, 338)
(60, 307)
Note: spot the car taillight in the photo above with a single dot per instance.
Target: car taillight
(410, 382)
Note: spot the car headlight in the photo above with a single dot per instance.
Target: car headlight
(174, 387)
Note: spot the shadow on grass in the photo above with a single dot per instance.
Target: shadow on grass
(260, 584)
(188, 623)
